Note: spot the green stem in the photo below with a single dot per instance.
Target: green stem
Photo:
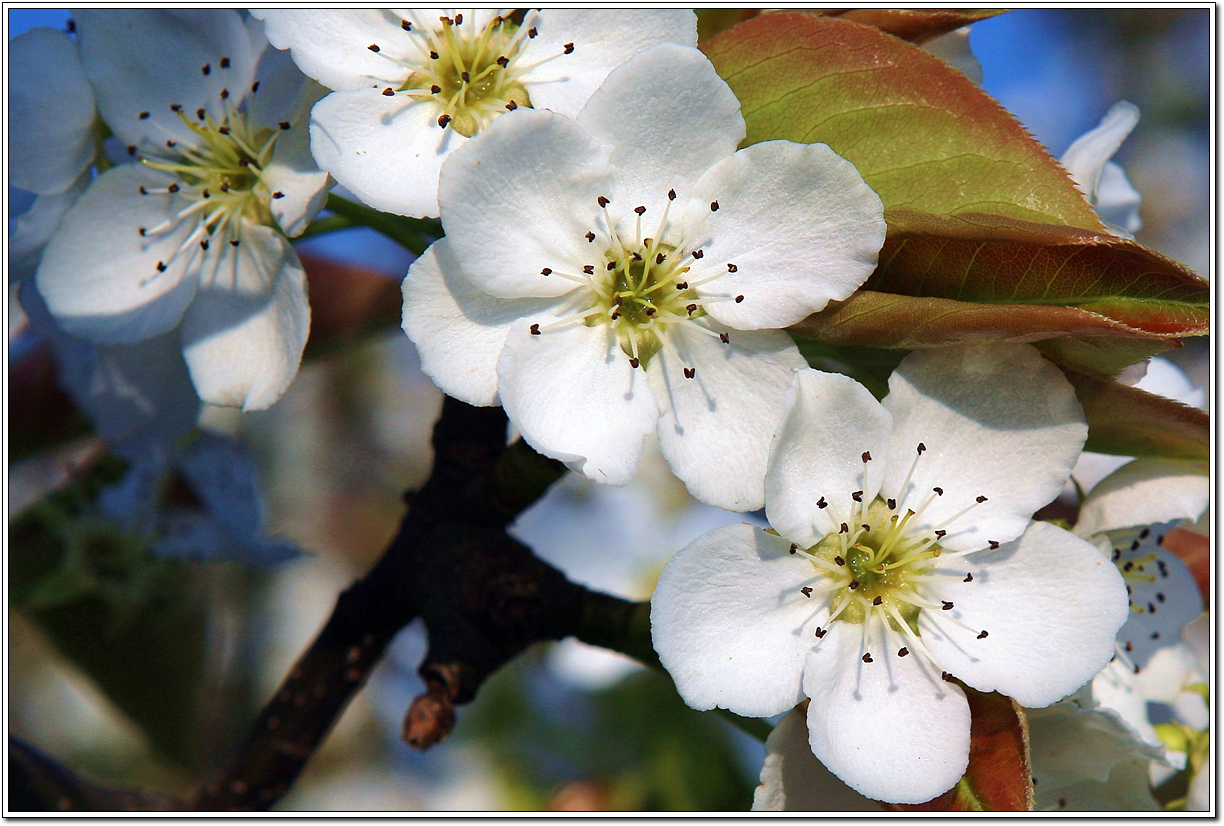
(329, 224)
(411, 233)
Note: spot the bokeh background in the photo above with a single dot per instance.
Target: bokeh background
(565, 726)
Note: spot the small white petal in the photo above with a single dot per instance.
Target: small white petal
(603, 39)
(574, 397)
(798, 223)
(100, 277)
(997, 421)
(890, 728)
(667, 117)
(1144, 492)
(145, 60)
(1051, 605)
(521, 196)
(730, 624)
(793, 780)
(1087, 155)
(33, 228)
(333, 45)
(243, 335)
(51, 112)
(1117, 201)
(830, 422)
(715, 428)
(385, 150)
(459, 331)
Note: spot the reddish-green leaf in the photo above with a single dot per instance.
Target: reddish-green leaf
(999, 778)
(921, 134)
(1104, 356)
(1194, 549)
(712, 21)
(1127, 421)
(914, 25)
(992, 259)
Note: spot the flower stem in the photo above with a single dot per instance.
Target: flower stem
(414, 234)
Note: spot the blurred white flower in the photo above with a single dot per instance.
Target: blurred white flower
(412, 86)
(1103, 182)
(192, 235)
(905, 554)
(606, 278)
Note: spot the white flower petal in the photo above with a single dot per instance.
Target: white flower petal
(1051, 604)
(730, 624)
(1164, 378)
(668, 117)
(1144, 492)
(223, 476)
(574, 397)
(100, 278)
(459, 331)
(33, 228)
(521, 197)
(793, 780)
(1118, 201)
(797, 222)
(333, 45)
(145, 60)
(997, 421)
(890, 728)
(830, 421)
(243, 335)
(385, 150)
(715, 428)
(1087, 155)
(51, 112)
(603, 39)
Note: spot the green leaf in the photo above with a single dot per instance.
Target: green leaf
(921, 134)
(712, 21)
(1127, 421)
(999, 777)
(1104, 356)
(914, 25)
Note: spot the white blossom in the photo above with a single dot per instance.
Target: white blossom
(904, 557)
(412, 86)
(1104, 182)
(627, 271)
(192, 234)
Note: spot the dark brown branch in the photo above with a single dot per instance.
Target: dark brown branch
(38, 783)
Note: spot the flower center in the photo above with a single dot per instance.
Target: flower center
(472, 74)
(642, 290)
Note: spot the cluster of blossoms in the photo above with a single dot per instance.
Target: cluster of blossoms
(615, 265)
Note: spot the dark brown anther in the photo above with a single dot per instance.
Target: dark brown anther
(806, 591)
(611, 266)
(590, 236)
(854, 584)
(878, 601)
(1130, 646)
(947, 606)
(1145, 533)
(1151, 608)
(389, 92)
(844, 528)
(465, 77)
(176, 107)
(820, 632)
(867, 658)
(938, 491)
(254, 87)
(443, 120)
(278, 194)
(650, 310)
(205, 194)
(660, 258)
(141, 230)
(406, 25)
(206, 69)
(546, 271)
(857, 496)
(713, 206)
(725, 338)
(983, 635)
(143, 116)
(374, 48)
(941, 534)
(204, 244)
(589, 269)
(225, 63)
(511, 106)
(532, 32)
(233, 242)
(433, 55)
(225, 94)
(535, 329)
(793, 548)
(892, 504)
(921, 448)
(224, 130)
(435, 89)
(640, 210)
(994, 546)
(968, 578)
(1155, 635)
(946, 677)
(161, 266)
(143, 191)
(71, 26)
(866, 456)
(691, 308)
(172, 188)
(698, 254)
(980, 499)
(634, 363)
(458, 19)
(200, 113)
(602, 201)
(568, 48)
(503, 61)
(821, 503)
(739, 299)
(225, 187)
(1160, 597)
(841, 562)
(131, 150)
(681, 285)
(171, 144)
(671, 194)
